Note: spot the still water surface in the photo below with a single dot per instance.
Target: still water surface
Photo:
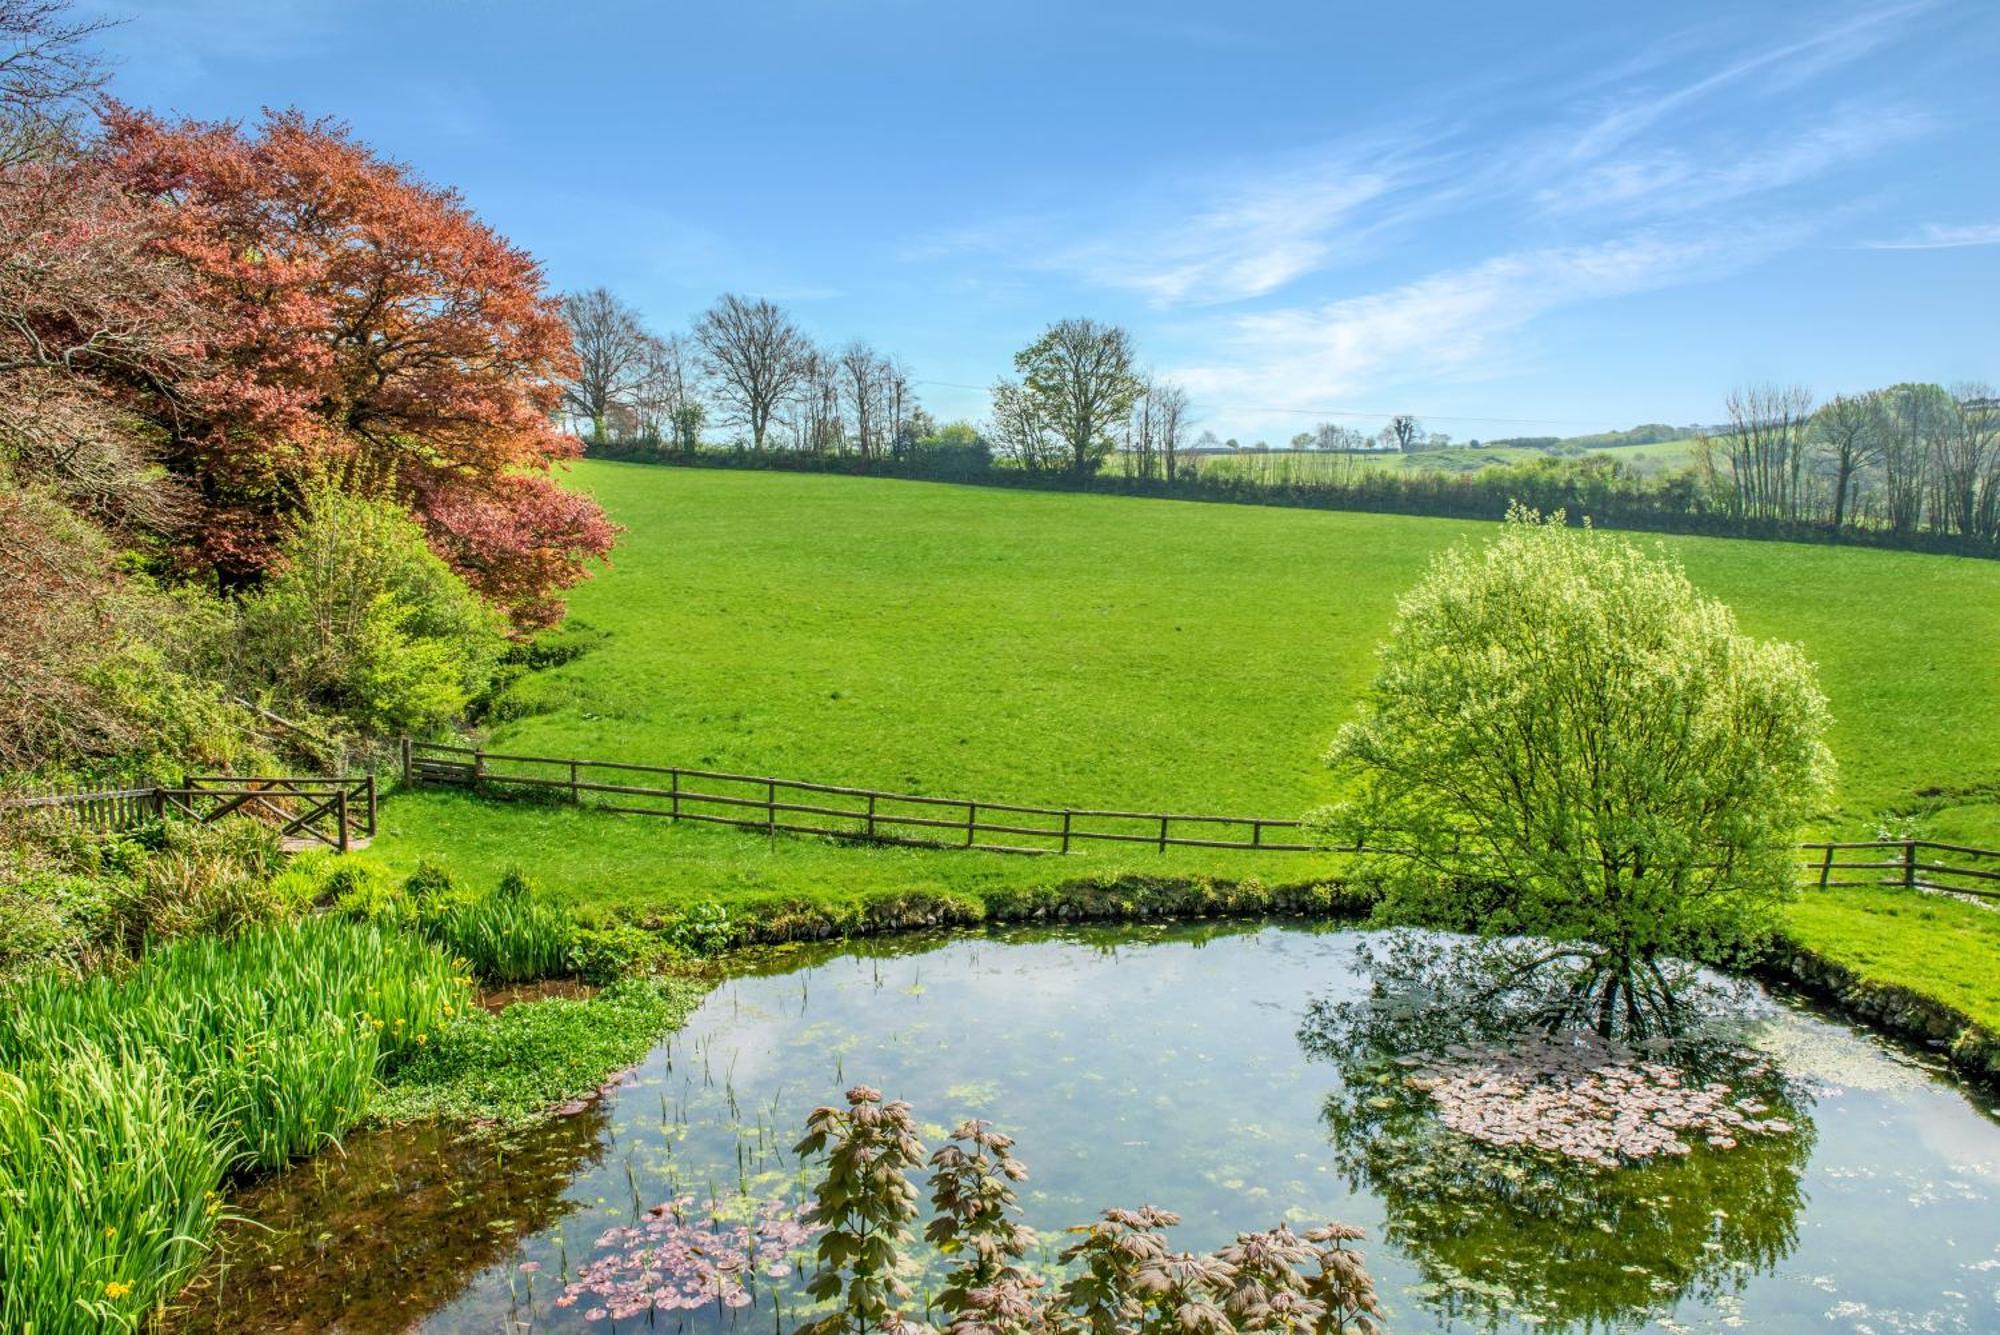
(1161, 1065)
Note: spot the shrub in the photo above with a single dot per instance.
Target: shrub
(1565, 740)
(608, 953)
(363, 620)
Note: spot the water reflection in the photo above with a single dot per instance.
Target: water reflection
(1500, 1232)
(394, 1226)
(1159, 1064)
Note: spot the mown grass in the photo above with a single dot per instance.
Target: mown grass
(1094, 650)
(1944, 948)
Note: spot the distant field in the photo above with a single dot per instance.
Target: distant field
(1094, 650)
(1281, 466)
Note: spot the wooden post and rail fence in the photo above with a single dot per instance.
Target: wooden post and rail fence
(772, 805)
(308, 810)
(340, 813)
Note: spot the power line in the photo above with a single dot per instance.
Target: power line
(1239, 409)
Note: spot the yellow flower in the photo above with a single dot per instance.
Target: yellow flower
(422, 1039)
(116, 1288)
(110, 1230)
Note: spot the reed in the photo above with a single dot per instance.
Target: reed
(126, 1101)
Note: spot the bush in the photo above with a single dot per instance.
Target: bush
(361, 619)
(1566, 741)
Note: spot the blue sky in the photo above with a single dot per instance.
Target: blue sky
(1510, 219)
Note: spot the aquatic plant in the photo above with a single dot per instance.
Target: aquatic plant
(511, 934)
(681, 1257)
(127, 1100)
(109, 1179)
(1586, 1098)
(865, 1204)
(1124, 1279)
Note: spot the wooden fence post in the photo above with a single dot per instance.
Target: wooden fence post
(575, 797)
(971, 821)
(1067, 813)
(478, 767)
(1163, 834)
(1909, 864)
(340, 816)
(771, 807)
(675, 775)
(369, 790)
(409, 767)
(1826, 866)
(871, 815)
(1256, 834)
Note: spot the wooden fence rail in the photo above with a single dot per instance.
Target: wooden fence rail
(307, 810)
(796, 806)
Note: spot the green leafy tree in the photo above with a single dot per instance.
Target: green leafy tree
(1078, 378)
(362, 620)
(1566, 741)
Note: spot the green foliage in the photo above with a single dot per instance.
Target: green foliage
(125, 1100)
(110, 1177)
(71, 897)
(361, 619)
(1565, 740)
(703, 929)
(515, 1065)
(605, 954)
(512, 934)
(1078, 378)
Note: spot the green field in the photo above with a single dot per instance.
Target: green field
(1089, 650)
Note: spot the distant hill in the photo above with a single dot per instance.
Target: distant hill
(1650, 433)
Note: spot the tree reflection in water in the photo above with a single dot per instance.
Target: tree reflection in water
(1515, 1233)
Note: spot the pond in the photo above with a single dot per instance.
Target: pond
(1159, 1065)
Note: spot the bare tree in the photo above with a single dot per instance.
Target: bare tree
(756, 357)
(667, 397)
(612, 347)
(47, 75)
(1021, 432)
(1848, 430)
(869, 388)
(1965, 457)
(1757, 463)
(1079, 374)
(1915, 418)
(1171, 421)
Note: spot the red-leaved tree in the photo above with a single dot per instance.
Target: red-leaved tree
(366, 328)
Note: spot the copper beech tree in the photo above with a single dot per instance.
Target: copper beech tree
(365, 328)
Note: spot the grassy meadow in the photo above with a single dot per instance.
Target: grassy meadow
(1089, 650)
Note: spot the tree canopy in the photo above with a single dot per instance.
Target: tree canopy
(1566, 740)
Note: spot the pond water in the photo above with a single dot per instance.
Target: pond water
(1155, 1065)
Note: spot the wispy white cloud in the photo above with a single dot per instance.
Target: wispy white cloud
(1943, 236)
(1447, 324)
(1678, 180)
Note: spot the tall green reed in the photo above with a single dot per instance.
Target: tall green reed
(125, 1101)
